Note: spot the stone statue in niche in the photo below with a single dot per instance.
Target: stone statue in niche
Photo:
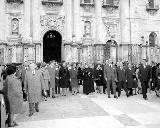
(87, 28)
(15, 26)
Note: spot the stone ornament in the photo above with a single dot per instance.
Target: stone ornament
(111, 27)
(53, 21)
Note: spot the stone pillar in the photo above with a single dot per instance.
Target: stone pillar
(68, 20)
(27, 19)
(2, 20)
(36, 20)
(124, 27)
(19, 54)
(38, 52)
(98, 6)
(77, 27)
(66, 48)
(14, 52)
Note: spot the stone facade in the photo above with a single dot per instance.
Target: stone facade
(91, 32)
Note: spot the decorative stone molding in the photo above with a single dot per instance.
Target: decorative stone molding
(14, 6)
(107, 4)
(14, 1)
(112, 27)
(52, 2)
(84, 4)
(52, 21)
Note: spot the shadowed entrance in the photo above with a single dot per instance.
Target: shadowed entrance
(52, 41)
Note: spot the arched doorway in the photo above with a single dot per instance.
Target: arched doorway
(52, 42)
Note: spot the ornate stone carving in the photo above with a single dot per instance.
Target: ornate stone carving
(10, 7)
(53, 21)
(111, 27)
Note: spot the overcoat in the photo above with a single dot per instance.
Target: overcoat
(64, 77)
(99, 77)
(33, 85)
(46, 78)
(51, 71)
(80, 76)
(57, 77)
(121, 76)
(13, 91)
(110, 72)
(129, 77)
(86, 81)
(145, 73)
(73, 75)
(92, 76)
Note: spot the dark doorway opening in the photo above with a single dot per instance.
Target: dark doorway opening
(52, 42)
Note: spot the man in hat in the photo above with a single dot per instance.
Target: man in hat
(145, 77)
(51, 69)
(110, 76)
(33, 86)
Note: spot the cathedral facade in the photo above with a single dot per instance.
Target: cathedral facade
(88, 31)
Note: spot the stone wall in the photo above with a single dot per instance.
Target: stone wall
(85, 29)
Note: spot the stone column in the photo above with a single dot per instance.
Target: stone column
(98, 7)
(124, 27)
(77, 27)
(66, 50)
(36, 20)
(99, 23)
(68, 20)
(2, 20)
(27, 19)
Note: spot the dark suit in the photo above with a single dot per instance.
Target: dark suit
(111, 75)
(130, 79)
(153, 77)
(145, 76)
(121, 77)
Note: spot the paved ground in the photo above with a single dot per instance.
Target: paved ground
(95, 111)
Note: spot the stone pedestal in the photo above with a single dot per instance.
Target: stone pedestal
(19, 53)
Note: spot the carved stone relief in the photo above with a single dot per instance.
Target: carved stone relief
(53, 21)
(14, 6)
(112, 27)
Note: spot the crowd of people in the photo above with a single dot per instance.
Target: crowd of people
(33, 82)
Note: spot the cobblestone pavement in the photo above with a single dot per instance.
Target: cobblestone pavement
(95, 111)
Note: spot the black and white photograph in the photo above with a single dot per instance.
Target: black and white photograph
(80, 63)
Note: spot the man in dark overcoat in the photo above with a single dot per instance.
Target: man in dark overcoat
(145, 77)
(130, 79)
(110, 76)
(33, 86)
(86, 80)
(64, 78)
(121, 77)
(51, 69)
